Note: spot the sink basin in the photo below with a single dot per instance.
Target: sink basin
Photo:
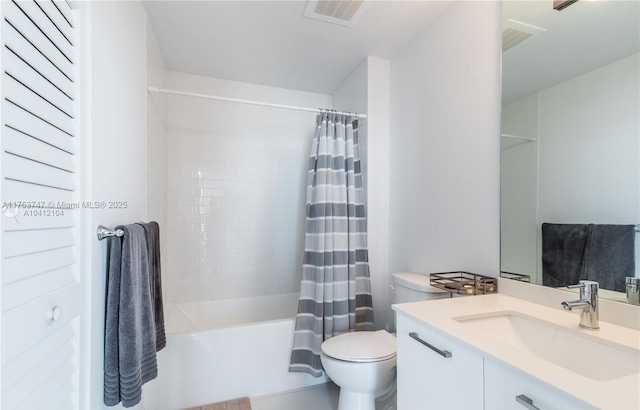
(574, 350)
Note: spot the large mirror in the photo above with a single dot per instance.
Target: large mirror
(570, 143)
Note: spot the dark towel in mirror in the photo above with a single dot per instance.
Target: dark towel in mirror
(563, 253)
(611, 255)
(574, 252)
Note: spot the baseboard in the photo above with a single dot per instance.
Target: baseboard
(282, 393)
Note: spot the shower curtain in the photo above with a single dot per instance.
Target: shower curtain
(335, 291)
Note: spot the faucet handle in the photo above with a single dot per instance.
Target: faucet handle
(582, 286)
(585, 284)
(587, 287)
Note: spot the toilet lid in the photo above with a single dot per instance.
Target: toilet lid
(415, 281)
(361, 346)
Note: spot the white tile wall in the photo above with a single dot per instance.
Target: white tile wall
(236, 190)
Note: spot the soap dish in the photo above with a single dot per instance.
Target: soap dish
(464, 283)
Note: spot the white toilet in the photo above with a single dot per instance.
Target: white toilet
(363, 364)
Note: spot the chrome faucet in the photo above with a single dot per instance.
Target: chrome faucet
(588, 303)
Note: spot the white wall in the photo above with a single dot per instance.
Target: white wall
(584, 166)
(366, 90)
(378, 102)
(156, 141)
(116, 160)
(351, 96)
(589, 144)
(444, 145)
(236, 192)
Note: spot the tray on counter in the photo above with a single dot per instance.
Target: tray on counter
(464, 283)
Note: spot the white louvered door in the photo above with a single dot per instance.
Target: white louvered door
(39, 226)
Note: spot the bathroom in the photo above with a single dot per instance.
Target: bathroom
(227, 184)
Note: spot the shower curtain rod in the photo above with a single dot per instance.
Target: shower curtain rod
(238, 100)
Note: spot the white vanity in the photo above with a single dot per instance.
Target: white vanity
(496, 352)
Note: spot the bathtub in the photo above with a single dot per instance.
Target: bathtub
(220, 350)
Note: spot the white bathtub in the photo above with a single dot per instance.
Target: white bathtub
(221, 350)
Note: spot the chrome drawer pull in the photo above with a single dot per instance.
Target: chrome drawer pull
(526, 402)
(443, 353)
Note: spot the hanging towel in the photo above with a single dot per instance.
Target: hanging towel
(611, 256)
(130, 334)
(563, 253)
(152, 233)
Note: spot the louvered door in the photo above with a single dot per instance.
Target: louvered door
(39, 193)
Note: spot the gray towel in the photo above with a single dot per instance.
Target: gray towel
(130, 334)
(111, 341)
(152, 233)
(563, 253)
(611, 255)
(574, 252)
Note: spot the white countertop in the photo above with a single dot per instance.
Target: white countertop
(621, 393)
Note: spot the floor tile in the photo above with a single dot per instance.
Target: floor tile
(321, 397)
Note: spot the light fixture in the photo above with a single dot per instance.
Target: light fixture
(562, 4)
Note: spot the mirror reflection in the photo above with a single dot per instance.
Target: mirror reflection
(570, 144)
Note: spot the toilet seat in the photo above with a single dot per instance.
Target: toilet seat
(361, 347)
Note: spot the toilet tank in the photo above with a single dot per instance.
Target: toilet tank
(414, 287)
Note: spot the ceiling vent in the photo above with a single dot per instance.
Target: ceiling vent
(515, 32)
(342, 12)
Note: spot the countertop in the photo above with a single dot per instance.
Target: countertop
(621, 393)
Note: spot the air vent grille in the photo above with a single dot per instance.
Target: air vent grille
(342, 12)
(511, 38)
(515, 32)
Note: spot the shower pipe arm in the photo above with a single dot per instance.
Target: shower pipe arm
(251, 102)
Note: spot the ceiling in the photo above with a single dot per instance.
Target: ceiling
(584, 36)
(271, 43)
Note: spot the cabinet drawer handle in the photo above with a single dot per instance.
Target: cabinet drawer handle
(526, 402)
(443, 353)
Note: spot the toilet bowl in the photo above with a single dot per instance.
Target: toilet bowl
(363, 364)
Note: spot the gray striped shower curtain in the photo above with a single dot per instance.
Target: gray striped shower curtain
(335, 291)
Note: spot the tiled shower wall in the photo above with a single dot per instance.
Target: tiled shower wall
(236, 190)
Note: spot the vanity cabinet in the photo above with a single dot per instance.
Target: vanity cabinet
(504, 348)
(465, 380)
(504, 385)
(428, 380)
